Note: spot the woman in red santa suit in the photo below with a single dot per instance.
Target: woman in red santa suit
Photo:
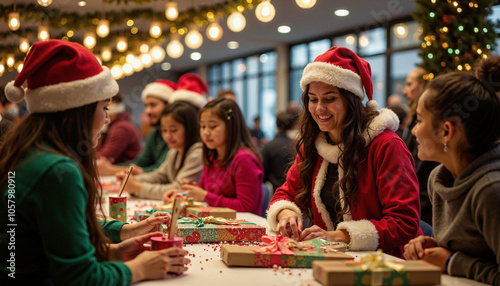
(353, 177)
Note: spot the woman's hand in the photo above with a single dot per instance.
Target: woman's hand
(414, 249)
(169, 196)
(148, 225)
(198, 194)
(130, 248)
(133, 186)
(289, 224)
(159, 264)
(317, 232)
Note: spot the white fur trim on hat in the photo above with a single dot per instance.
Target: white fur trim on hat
(67, 95)
(333, 75)
(158, 90)
(364, 235)
(14, 93)
(116, 108)
(276, 208)
(198, 100)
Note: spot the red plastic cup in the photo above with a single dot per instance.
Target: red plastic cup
(162, 242)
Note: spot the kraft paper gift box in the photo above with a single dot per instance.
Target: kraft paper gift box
(239, 230)
(418, 272)
(237, 255)
(211, 211)
(200, 209)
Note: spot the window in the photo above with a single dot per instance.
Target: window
(253, 79)
(401, 64)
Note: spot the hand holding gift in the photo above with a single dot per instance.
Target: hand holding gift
(151, 224)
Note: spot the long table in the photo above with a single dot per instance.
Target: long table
(207, 268)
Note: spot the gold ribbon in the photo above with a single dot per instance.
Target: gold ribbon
(375, 263)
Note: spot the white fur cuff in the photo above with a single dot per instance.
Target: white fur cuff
(274, 210)
(364, 235)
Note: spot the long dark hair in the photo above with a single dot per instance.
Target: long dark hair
(67, 133)
(237, 133)
(354, 144)
(473, 100)
(185, 114)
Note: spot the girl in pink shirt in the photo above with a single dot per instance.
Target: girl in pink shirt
(232, 173)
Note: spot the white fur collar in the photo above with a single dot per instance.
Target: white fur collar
(386, 119)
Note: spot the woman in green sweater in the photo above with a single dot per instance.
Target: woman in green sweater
(49, 231)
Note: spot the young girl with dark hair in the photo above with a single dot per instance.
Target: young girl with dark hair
(232, 172)
(179, 128)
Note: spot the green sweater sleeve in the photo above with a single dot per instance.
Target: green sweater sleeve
(61, 202)
(153, 154)
(112, 228)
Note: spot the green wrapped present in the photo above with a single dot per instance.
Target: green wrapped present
(374, 270)
(210, 229)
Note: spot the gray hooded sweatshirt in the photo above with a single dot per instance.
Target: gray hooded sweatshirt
(466, 217)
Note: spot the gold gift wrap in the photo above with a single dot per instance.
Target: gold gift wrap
(336, 273)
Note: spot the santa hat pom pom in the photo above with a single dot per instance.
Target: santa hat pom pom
(372, 105)
(14, 93)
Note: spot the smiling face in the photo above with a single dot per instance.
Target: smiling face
(213, 132)
(100, 118)
(154, 108)
(173, 133)
(430, 148)
(328, 108)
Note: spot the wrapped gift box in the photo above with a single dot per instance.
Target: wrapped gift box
(244, 231)
(141, 215)
(211, 211)
(417, 272)
(200, 209)
(237, 255)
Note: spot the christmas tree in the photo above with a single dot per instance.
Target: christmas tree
(455, 33)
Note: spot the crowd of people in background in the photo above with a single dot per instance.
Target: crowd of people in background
(419, 179)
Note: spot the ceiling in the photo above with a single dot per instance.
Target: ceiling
(305, 24)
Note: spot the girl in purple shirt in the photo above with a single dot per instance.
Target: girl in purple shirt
(232, 173)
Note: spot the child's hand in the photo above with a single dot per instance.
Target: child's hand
(188, 182)
(195, 192)
(137, 170)
(133, 186)
(169, 196)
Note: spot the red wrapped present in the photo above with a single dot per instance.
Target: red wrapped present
(282, 251)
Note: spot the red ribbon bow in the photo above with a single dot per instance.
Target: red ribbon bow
(281, 245)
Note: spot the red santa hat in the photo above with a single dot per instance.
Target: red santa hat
(190, 88)
(342, 68)
(61, 75)
(161, 89)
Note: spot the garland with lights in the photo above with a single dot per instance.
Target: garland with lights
(63, 22)
(455, 33)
